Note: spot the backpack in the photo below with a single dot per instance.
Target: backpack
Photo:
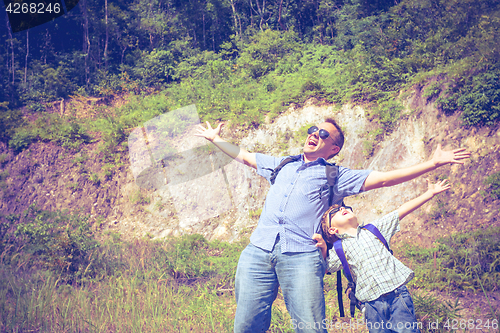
(332, 171)
(351, 287)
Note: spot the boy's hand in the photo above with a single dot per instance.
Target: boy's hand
(438, 187)
(432, 190)
(442, 157)
(320, 242)
(208, 133)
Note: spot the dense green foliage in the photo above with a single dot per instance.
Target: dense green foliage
(54, 241)
(242, 60)
(478, 96)
(66, 245)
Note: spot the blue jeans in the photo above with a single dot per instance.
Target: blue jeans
(300, 276)
(392, 312)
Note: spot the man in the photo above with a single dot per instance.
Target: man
(281, 250)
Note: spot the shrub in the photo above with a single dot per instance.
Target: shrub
(67, 132)
(432, 91)
(477, 95)
(9, 120)
(388, 113)
(192, 256)
(493, 183)
(480, 100)
(155, 68)
(265, 50)
(55, 241)
(21, 139)
(460, 261)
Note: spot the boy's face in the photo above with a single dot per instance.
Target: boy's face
(342, 219)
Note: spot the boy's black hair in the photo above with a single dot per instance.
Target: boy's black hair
(329, 238)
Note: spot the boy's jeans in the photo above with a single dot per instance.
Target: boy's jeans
(300, 276)
(392, 312)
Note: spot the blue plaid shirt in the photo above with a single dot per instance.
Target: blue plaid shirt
(297, 200)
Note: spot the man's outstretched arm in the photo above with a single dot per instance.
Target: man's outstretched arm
(378, 179)
(240, 154)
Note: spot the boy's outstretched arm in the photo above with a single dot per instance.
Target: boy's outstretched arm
(240, 154)
(432, 190)
(440, 157)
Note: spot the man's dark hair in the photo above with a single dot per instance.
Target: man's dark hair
(338, 139)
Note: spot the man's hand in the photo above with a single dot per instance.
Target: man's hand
(320, 243)
(438, 187)
(208, 133)
(456, 156)
(233, 151)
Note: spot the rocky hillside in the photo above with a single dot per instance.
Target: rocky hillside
(200, 196)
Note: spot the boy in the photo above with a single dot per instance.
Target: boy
(380, 278)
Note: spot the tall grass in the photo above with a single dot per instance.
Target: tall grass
(183, 284)
(119, 304)
(466, 261)
(145, 286)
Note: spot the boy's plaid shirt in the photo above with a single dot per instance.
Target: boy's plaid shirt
(374, 270)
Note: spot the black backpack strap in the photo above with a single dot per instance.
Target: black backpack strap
(332, 172)
(339, 294)
(281, 165)
(337, 245)
(351, 288)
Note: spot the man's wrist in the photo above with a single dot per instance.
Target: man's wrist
(217, 138)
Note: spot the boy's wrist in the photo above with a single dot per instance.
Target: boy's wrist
(435, 163)
(430, 194)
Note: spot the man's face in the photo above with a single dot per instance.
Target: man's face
(316, 147)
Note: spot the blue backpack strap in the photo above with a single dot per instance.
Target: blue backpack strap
(281, 165)
(373, 229)
(337, 245)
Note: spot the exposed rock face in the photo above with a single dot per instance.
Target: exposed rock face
(225, 204)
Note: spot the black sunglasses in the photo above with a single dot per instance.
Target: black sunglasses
(323, 134)
(333, 212)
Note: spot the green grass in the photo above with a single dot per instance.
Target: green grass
(467, 261)
(176, 284)
(58, 275)
(125, 303)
